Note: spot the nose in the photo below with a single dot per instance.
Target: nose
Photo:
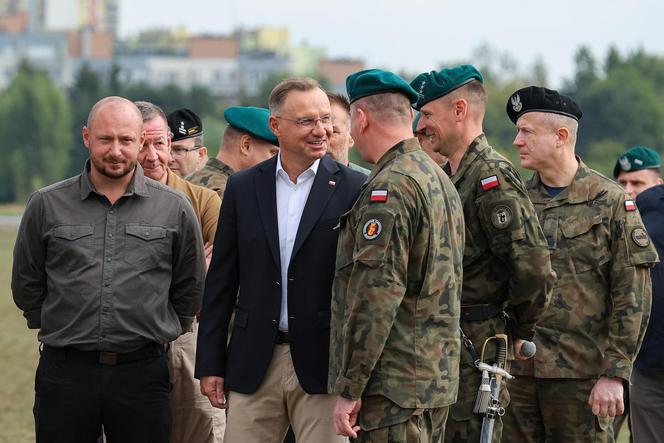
(517, 140)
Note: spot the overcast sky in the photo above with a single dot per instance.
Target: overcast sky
(419, 35)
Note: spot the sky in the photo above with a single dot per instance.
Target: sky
(420, 35)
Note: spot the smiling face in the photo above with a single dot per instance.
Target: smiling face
(303, 144)
(156, 151)
(437, 123)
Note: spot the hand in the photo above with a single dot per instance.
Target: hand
(213, 388)
(606, 398)
(345, 417)
(518, 343)
(207, 247)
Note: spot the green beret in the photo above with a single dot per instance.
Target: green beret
(538, 99)
(432, 85)
(376, 81)
(635, 159)
(251, 120)
(416, 120)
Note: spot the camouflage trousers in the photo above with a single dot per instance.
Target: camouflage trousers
(423, 426)
(463, 425)
(553, 410)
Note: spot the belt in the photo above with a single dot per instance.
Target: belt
(107, 358)
(480, 312)
(282, 337)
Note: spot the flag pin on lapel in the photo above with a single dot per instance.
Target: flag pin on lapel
(332, 183)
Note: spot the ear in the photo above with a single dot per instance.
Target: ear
(460, 109)
(202, 152)
(351, 142)
(362, 119)
(563, 136)
(86, 136)
(274, 125)
(245, 144)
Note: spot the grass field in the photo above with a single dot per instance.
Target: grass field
(20, 355)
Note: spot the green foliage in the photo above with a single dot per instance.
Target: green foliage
(35, 118)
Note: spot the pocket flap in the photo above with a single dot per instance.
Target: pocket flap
(73, 232)
(145, 232)
(575, 226)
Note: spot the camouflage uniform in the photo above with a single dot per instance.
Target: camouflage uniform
(395, 306)
(505, 265)
(596, 320)
(213, 175)
(359, 168)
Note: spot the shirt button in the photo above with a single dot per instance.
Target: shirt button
(107, 284)
(110, 211)
(110, 234)
(147, 233)
(108, 259)
(275, 323)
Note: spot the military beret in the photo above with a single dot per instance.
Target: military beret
(416, 121)
(376, 81)
(251, 120)
(432, 85)
(184, 123)
(538, 99)
(635, 159)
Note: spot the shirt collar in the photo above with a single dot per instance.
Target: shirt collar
(313, 168)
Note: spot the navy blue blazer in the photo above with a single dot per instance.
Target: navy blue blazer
(245, 278)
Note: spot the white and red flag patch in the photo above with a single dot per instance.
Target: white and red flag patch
(489, 182)
(379, 195)
(629, 205)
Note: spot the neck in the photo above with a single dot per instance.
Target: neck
(294, 166)
(224, 157)
(343, 157)
(464, 141)
(383, 142)
(561, 173)
(111, 188)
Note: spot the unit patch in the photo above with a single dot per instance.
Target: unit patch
(640, 237)
(501, 216)
(372, 229)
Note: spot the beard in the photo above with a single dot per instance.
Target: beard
(113, 167)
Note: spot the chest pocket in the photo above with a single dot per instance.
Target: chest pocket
(74, 244)
(585, 240)
(146, 246)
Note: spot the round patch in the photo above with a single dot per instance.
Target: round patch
(501, 217)
(372, 229)
(640, 237)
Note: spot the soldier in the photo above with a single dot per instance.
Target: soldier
(247, 141)
(341, 141)
(506, 263)
(188, 152)
(394, 346)
(638, 169)
(426, 142)
(588, 337)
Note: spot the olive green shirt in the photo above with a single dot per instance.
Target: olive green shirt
(104, 277)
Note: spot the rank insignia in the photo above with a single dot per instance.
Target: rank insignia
(372, 229)
(489, 182)
(640, 237)
(629, 205)
(379, 195)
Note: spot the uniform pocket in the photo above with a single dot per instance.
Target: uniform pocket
(586, 242)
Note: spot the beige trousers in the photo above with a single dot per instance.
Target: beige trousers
(264, 416)
(194, 418)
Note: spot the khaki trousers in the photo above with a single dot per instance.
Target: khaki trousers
(194, 418)
(264, 416)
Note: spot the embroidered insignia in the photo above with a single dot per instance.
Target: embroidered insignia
(629, 205)
(489, 182)
(372, 229)
(501, 217)
(192, 130)
(379, 195)
(516, 103)
(638, 161)
(181, 128)
(624, 164)
(640, 237)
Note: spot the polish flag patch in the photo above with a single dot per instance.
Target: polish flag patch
(489, 182)
(379, 195)
(629, 205)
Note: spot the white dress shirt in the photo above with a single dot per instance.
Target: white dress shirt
(291, 198)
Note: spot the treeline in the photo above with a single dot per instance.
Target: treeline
(622, 97)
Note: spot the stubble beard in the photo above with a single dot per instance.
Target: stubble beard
(101, 166)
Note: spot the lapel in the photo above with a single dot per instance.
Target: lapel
(321, 191)
(266, 195)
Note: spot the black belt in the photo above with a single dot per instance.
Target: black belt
(108, 358)
(282, 337)
(480, 312)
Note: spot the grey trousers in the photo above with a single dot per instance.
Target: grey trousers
(646, 401)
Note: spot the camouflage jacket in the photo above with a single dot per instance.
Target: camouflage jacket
(506, 262)
(600, 253)
(213, 175)
(395, 304)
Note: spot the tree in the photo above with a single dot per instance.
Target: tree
(35, 124)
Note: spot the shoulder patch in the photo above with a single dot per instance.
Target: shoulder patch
(378, 195)
(489, 182)
(372, 229)
(629, 205)
(640, 237)
(501, 216)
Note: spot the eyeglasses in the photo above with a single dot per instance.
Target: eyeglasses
(309, 122)
(182, 152)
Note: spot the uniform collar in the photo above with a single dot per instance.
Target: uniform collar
(475, 150)
(579, 191)
(403, 147)
(221, 166)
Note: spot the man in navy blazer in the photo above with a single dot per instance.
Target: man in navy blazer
(273, 266)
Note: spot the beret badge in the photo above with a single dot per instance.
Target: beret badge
(516, 103)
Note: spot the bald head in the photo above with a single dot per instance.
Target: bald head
(116, 103)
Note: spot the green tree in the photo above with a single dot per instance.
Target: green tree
(35, 124)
